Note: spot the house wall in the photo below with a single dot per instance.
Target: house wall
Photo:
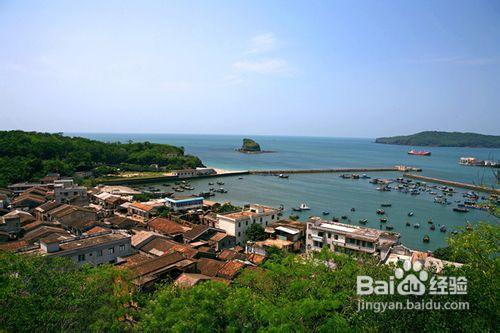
(239, 226)
(100, 254)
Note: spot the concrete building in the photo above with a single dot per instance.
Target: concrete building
(236, 224)
(342, 237)
(66, 191)
(93, 249)
(198, 172)
(184, 203)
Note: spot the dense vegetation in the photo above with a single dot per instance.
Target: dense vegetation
(38, 294)
(444, 139)
(28, 155)
(250, 145)
(288, 293)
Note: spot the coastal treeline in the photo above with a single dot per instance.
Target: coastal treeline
(28, 155)
(287, 293)
(444, 139)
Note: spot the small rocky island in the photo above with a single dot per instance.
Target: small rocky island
(251, 147)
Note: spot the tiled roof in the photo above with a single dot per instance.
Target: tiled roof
(228, 254)
(230, 269)
(12, 246)
(195, 232)
(32, 197)
(166, 226)
(155, 264)
(142, 206)
(209, 267)
(96, 230)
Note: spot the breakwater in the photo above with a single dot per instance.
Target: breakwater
(336, 170)
(453, 183)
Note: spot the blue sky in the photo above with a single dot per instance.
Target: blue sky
(319, 68)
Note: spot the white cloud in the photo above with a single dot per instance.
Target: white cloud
(262, 43)
(265, 66)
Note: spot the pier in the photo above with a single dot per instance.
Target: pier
(453, 183)
(336, 170)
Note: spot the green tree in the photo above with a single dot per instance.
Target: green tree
(256, 232)
(53, 295)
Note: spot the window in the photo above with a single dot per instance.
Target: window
(272, 217)
(336, 237)
(329, 235)
(318, 244)
(239, 234)
(261, 220)
(111, 250)
(81, 257)
(99, 253)
(320, 234)
(239, 224)
(122, 248)
(246, 223)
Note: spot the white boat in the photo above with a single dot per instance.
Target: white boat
(303, 206)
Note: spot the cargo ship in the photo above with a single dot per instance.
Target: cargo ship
(419, 153)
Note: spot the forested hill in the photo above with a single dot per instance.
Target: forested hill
(444, 139)
(28, 155)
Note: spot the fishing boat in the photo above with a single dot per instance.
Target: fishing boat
(240, 177)
(380, 211)
(325, 213)
(455, 232)
(365, 176)
(426, 239)
(433, 227)
(220, 183)
(387, 204)
(430, 221)
(410, 214)
(363, 221)
(389, 227)
(296, 209)
(344, 217)
(442, 228)
(419, 153)
(210, 183)
(283, 176)
(383, 220)
(416, 225)
(353, 209)
(303, 206)
(460, 209)
(408, 224)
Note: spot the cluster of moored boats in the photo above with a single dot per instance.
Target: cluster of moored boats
(442, 194)
(354, 176)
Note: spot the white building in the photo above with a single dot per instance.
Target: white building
(236, 224)
(184, 203)
(342, 237)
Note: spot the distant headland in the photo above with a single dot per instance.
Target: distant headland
(249, 146)
(444, 139)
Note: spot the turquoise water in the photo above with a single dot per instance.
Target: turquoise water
(328, 191)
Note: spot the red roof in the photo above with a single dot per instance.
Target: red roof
(166, 226)
(230, 269)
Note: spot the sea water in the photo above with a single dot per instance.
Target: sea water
(329, 192)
